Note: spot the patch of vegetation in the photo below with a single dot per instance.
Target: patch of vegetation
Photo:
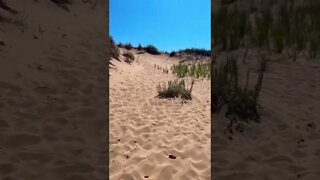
(129, 57)
(140, 48)
(151, 50)
(196, 51)
(128, 46)
(289, 27)
(172, 54)
(120, 45)
(175, 89)
(200, 70)
(114, 49)
(164, 70)
(241, 102)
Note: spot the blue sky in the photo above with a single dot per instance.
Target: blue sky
(167, 24)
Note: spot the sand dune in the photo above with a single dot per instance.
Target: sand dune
(286, 144)
(53, 91)
(145, 131)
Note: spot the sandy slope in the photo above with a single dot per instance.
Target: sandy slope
(286, 144)
(53, 92)
(145, 130)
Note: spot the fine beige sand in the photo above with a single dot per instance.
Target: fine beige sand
(53, 91)
(145, 130)
(286, 144)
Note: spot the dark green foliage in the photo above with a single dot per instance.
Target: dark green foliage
(278, 33)
(291, 28)
(140, 47)
(263, 24)
(152, 50)
(196, 51)
(230, 28)
(174, 89)
(241, 103)
(129, 57)
(195, 70)
(120, 45)
(172, 54)
(114, 49)
(128, 46)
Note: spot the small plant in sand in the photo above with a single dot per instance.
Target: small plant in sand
(129, 57)
(175, 89)
(241, 102)
(165, 70)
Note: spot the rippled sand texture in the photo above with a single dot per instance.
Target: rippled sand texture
(145, 130)
(286, 144)
(53, 92)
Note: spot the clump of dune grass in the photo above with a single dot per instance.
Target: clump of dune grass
(289, 28)
(200, 70)
(129, 57)
(164, 70)
(114, 49)
(241, 103)
(175, 89)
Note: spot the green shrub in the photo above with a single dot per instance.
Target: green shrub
(289, 28)
(129, 57)
(196, 51)
(172, 54)
(151, 50)
(278, 36)
(175, 89)
(128, 46)
(114, 49)
(120, 45)
(140, 47)
(241, 103)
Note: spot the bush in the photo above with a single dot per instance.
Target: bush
(240, 101)
(174, 89)
(128, 46)
(129, 57)
(197, 51)
(140, 47)
(114, 49)
(172, 54)
(152, 50)
(120, 45)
